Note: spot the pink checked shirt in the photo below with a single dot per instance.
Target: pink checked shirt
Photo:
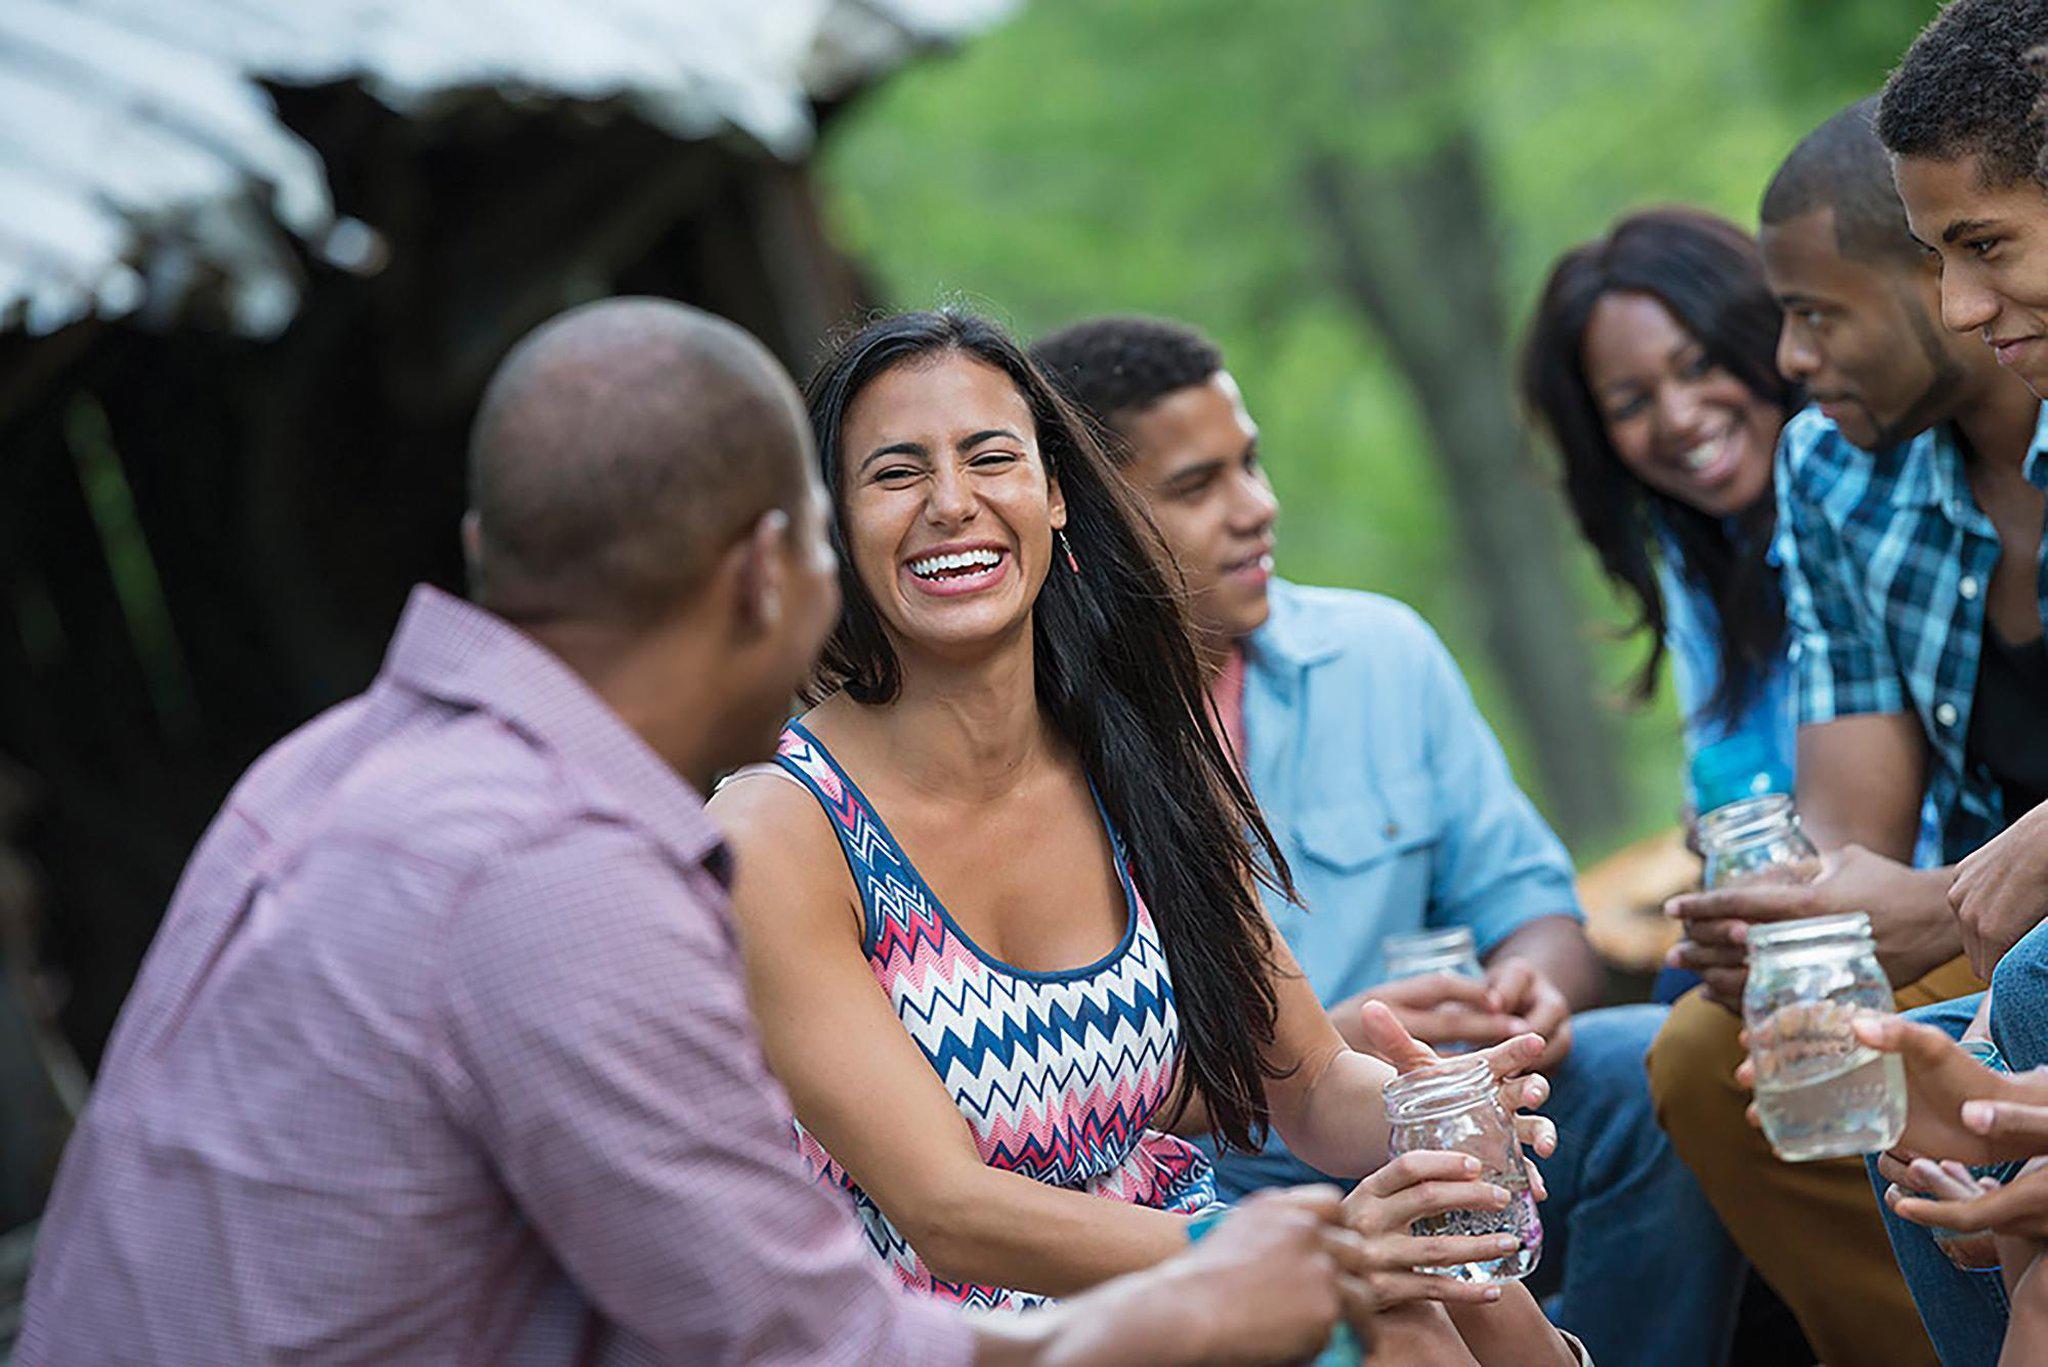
(442, 1055)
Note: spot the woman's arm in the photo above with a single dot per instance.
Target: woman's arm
(1328, 1107)
(862, 1087)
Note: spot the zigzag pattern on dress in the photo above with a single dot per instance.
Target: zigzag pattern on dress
(1058, 1075)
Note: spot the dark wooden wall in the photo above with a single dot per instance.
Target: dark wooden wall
(204, 540)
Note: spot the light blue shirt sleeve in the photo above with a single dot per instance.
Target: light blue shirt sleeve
(1498, 865)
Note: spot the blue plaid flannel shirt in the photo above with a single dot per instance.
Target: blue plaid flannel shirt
(1886, 559)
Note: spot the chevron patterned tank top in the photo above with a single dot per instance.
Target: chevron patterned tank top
(1058, 1074)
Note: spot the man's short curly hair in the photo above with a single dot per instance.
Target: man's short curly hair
(1971, 84)
(1117, 366)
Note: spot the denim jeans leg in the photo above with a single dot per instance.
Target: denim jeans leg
(1965, 1312)
(1651, 1277)
(2019, 1002)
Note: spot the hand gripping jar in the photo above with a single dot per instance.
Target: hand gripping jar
(1455, 1107)
(1756, 840)
(1820, 1093)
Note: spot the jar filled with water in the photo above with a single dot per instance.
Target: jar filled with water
(1413, 953)
(1455, 1107)
(1820, 1093)
(1756, 840)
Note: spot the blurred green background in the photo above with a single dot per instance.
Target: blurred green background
(1165, 157)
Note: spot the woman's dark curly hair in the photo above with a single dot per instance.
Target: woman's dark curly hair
(1117, 676)
(1706, 271)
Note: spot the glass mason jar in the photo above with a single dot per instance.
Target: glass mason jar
(1819, 1092)
(1756, 840)
(1455, 1107)
(1413, 953)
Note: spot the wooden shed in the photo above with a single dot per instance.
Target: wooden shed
(257, 258)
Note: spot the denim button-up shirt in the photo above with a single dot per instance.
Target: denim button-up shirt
(1389, 796)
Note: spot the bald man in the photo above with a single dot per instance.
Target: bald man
(442, 1053)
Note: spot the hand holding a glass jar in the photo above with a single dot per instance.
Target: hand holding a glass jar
(1426, 1190)
(1911, 923)
(1956, 1107)
(1509, 1062)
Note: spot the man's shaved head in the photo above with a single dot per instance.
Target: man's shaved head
(1843, 167)
(619, 449)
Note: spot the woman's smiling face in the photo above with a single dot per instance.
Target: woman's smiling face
(1680, 423)
(948, 507)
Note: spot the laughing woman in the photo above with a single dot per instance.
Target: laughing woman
(1652, 365)
(998, 901)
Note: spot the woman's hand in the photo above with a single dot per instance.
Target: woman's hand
(1414, 1186)
(1510, 1060)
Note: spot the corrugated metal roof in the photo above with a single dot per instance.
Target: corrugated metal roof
(139, 155)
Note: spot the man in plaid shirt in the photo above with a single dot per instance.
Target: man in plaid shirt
(1909, 534)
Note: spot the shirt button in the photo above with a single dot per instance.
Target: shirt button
(1968, 588)
(1946, 714)
(1393, 829)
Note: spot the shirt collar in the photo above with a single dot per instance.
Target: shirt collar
(452, 650)
(1290, 635)
(1928, 469)
(2036, 468)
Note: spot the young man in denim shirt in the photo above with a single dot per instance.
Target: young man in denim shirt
(1396, 810)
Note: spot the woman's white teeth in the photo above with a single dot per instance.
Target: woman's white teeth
(1703, 455)
(934, 565)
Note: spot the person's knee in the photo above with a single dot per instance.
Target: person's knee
(1602, 1082)
(2019, 1001)
(1692, 1065)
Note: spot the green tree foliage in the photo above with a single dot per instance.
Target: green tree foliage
(1149, 156)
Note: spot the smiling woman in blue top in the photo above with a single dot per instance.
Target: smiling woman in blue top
(1650, 364)
(1394, 807)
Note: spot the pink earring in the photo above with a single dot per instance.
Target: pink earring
(1068, 547)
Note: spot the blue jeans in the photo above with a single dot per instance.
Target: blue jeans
(1965, 1312)
(1649, 1275)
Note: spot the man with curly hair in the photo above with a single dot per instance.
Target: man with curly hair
(1396, 810)
(1965, 118)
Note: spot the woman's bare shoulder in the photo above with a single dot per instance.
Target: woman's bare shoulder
(786, 860)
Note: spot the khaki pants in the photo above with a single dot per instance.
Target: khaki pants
(1811, 1229)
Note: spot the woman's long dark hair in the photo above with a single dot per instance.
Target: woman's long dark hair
(1706, 271)
(1116, 673)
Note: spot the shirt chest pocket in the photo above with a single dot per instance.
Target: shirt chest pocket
(1367, 829)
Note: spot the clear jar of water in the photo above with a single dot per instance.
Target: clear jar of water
(1820, 1093)
(1455, 1107)
(1413, 953)
(1756, 840)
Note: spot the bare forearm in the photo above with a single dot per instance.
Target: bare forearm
(1004, 1229)
(1341, 1128)
(1344, 1016)
(1512, 1332)
(1860, 782)
(1126, 1321)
